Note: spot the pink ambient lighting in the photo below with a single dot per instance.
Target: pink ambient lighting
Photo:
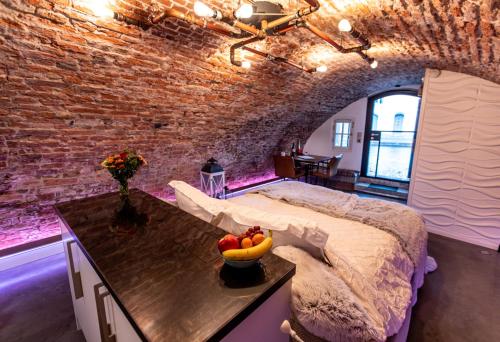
(41, 231)
(239, 183)
(21, 237)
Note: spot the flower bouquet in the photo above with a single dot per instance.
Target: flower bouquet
(122, 167)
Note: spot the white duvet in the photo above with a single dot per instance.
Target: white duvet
(370, 262)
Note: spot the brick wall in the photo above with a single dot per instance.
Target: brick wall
(74, 88)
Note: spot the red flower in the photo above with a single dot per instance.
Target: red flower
(123, 155)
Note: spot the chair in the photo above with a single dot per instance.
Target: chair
(329, 171)
(284, 167)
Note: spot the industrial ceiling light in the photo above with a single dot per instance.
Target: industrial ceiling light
(246, 64)
(322, 68)
(255, 22)
(202, 10)
(244, 12)
(345, 26)
(101, 8)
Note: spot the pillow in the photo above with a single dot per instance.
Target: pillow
(287, 230)
(196, 202)
(236, 219)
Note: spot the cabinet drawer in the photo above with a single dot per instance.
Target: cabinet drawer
(100, 317)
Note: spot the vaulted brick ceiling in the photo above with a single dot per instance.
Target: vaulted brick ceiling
(407, 36)
(74, 88)
(460, 35)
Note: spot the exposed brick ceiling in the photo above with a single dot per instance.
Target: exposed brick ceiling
(457, 35)
(74, 88)
(407, 36)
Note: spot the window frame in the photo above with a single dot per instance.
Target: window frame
(368, 125)
(342, 134)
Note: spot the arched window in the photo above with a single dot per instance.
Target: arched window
(398, 121)
(391, 127)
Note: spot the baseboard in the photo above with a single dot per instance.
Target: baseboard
(29, 245)
(472, 240)
(27, 256)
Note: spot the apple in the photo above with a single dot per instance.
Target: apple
(228, 242)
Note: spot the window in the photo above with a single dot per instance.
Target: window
(398, 122)
(342, 135)
(390, 130)
(374, 122)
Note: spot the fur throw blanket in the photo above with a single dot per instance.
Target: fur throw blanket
(324, 304)
(404, 223)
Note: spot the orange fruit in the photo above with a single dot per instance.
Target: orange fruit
(246, 243)
(258, 238)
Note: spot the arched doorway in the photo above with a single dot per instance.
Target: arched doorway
(391, 128)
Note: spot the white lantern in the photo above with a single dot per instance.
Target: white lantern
(213, 179)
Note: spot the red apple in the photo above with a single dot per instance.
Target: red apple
(228, 242)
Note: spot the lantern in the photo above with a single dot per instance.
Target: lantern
(213, 179)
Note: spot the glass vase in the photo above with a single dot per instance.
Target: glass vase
(124, 189)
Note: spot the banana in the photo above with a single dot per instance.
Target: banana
(251, 253)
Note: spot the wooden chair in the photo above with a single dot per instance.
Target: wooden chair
(284, 167)
(329, 171)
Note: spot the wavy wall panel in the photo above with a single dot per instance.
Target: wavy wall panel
(456, 170)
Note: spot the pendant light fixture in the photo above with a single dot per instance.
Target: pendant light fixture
(255, 21)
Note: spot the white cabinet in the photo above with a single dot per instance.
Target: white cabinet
(97, 314)
(264, 323)
(101, 319)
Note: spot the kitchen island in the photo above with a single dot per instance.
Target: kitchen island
(143, 269)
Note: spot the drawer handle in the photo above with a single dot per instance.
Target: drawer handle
(76, 277)
(104, 326)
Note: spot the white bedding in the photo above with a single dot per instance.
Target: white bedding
(370, 261)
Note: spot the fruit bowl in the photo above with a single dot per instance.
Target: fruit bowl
(245, 250)
(241, 263)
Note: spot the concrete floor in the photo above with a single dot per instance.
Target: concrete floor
(459, 302)
(35, 303)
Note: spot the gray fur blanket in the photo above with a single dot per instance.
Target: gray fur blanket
(323, 303)
(404, 223)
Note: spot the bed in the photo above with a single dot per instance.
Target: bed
(365, 285)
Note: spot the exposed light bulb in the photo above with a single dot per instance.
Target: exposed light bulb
(202, 10)
(322, 68)
(345, 25)
(246, 64)
(101, 8)
(374, 64)
(244, 12)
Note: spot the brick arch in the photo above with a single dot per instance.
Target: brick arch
(74, 88)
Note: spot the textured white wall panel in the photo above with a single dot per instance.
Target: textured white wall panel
(456, 170)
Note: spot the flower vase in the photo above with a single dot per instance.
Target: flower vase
(124, 189)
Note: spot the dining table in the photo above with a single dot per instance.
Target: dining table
(309, 161)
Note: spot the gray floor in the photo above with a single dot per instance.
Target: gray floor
(35, 303)
(459, 302)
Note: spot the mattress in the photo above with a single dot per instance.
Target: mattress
(371, 252)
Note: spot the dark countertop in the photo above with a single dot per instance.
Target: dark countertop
(163, 268)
